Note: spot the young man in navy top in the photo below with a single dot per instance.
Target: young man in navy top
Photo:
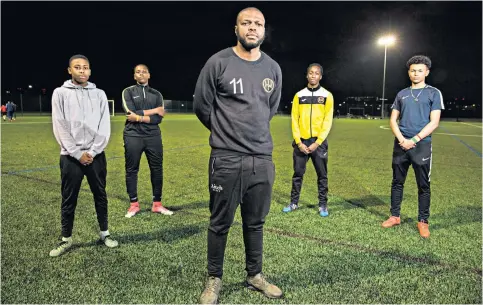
(418, 109)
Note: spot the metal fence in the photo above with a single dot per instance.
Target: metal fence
(42, 104)
(178, 106)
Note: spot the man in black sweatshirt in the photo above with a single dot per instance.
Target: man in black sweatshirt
(237, 94)
(144, 107)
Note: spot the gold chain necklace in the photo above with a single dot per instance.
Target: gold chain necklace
(416, 97)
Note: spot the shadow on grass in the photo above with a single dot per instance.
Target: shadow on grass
(165, 235)
(190, 206)
(57, 186)
(458, 216)
(370, 203)
(284, 199)
(345, 269)
(193, 205)
(428, 258)
(255, 297)
(336, 270)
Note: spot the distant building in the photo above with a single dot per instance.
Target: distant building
(362, 106)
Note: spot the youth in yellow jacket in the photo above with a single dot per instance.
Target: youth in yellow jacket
(312, 113)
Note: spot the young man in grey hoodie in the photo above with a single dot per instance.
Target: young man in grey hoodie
(81, 123)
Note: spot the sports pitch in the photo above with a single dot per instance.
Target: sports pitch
(344, 258)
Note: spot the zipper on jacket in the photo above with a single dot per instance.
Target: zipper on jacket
(311, 103)
(83, 115)
(144, 98)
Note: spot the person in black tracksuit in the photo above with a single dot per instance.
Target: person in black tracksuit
(145, 111)
(237, 94)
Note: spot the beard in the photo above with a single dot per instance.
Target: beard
(249, 45)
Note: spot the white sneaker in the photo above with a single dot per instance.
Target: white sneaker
(109, 242)
(61, 248)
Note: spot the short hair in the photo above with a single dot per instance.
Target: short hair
(315, 65)
(77, 57)
(247, 9)
(419, 59)
(147, 68)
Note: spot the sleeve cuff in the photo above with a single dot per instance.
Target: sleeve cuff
(319, 141)
(155, 119)
(92, 153)
(77, 154)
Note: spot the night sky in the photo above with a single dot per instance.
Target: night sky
(176, 38)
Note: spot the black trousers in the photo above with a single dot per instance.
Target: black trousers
(319, 159)
(420, 158)
(133, 149)
(72, 173)
(234, 180)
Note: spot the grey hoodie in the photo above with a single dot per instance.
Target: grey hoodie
(80, 119)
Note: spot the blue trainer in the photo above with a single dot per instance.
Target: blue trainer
(290, 208)
(323, 211)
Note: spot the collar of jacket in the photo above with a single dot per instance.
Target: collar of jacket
(145, 86)
(314, 89)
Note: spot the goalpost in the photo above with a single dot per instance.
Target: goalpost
(111, 102)
(357, 111)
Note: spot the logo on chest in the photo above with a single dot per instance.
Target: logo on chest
(321, 100)
(268, 85)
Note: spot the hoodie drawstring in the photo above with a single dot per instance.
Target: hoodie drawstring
(82, 106)
(90, 100)
(77, 97)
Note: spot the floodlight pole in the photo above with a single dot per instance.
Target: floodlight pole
(384, 80)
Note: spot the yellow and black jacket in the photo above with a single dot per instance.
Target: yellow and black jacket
(312, 113)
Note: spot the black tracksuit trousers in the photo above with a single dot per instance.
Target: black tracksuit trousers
(72, 173)
(319, 159)
(420, 158)
(133, 149)
(233, 180)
